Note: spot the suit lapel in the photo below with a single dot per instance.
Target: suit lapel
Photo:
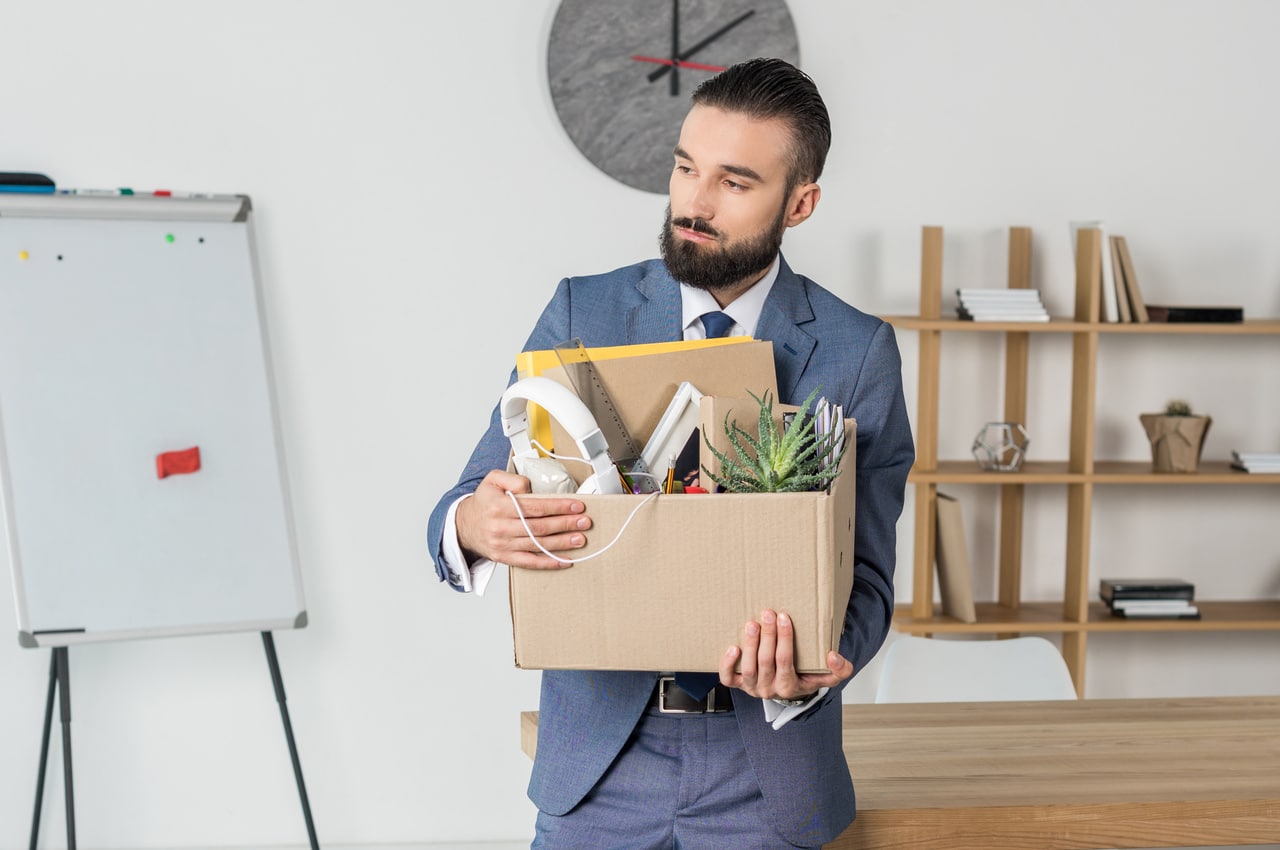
(659, 318)
(785, 311)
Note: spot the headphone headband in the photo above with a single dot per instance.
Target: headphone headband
(566, 408)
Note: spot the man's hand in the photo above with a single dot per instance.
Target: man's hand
(768, 662)
(488, 525)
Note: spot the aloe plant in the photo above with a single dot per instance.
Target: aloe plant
(772, 461)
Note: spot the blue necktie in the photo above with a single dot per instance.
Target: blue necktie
(698, 685)
(716, 324)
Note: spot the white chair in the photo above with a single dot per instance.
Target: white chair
(918, 669)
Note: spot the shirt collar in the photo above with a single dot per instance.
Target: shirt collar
(744, 310)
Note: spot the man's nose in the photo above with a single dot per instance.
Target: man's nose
(699, 204)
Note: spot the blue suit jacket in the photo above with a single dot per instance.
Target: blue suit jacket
(586, 717)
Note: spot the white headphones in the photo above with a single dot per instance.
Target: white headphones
(566, 408)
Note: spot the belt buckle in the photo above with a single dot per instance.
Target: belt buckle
(663, 682)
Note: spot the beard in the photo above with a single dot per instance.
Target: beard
(718, 266)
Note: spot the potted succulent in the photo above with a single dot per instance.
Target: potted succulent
(1177, 436)
(777, 460)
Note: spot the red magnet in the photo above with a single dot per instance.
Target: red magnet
(178, 463)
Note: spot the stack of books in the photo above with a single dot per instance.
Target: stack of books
(1162, 598)
(1256, 461)
(1000, 305)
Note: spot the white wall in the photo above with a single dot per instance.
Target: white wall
(417, 201)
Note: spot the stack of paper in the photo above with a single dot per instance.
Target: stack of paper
(1000, 305)
(1256, 461)
(828, 426)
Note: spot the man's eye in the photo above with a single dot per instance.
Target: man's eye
(734, 186)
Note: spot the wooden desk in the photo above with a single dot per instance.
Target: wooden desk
(1059, 775)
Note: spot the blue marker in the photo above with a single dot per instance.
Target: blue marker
(26, 182)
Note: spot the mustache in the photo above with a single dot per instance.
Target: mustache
(697, 225)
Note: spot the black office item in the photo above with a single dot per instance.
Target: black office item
(26, 182)
(1110, 589)
(1171, 314)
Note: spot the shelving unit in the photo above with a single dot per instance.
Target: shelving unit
(1075, 617)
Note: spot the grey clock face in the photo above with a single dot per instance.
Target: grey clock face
(621, 72)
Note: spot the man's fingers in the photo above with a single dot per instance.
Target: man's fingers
(766, 667)
(728, 677)
(840, 667)
(750, 653)
(784, 657)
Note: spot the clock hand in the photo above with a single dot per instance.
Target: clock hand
(696, 66)
(655, 75)
(675, 46)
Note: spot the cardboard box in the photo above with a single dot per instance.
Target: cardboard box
(686, 573)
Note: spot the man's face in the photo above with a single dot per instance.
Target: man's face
(730, 203)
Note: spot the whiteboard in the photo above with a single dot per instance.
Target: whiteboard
(132, 327)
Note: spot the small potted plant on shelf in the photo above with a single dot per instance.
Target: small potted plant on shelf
(1176, 435)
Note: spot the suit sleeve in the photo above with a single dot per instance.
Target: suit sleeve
(491, 452)
(885, 453)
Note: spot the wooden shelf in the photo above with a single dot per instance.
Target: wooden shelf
(1073, 617)
(1056, 324)
(1046, 617)
(1104, 472)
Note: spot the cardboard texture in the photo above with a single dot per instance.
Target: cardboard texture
(641, 387)
(674, 591)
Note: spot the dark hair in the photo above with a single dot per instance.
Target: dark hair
(772, 88)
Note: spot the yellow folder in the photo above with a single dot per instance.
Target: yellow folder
(530, 363)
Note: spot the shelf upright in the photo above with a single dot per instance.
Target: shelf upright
(1084, 367)
(926, 493)
(1016, 349)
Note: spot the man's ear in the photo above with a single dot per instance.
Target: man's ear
(802, 202)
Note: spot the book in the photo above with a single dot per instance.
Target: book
(1122, 293)
(955, 581)
(1256, 461)
(1110, 589)
(1001, 305)
(1137, 304)
(1110, 308)
(999, 293)
(1191, 612)
(1148, 606)
(1001, 316)
(1194, 314)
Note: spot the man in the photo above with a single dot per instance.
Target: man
(758, 762)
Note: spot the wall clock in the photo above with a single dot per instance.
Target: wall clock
(621, 72)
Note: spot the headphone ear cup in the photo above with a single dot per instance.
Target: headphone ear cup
(566, 408)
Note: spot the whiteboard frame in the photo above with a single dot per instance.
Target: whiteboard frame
(220, 208)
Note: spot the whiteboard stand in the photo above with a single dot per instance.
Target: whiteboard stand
(60, 683)
(277, 682)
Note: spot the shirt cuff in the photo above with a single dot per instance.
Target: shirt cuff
(780, 715)
(469, 577)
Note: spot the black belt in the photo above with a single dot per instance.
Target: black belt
(670, 698)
